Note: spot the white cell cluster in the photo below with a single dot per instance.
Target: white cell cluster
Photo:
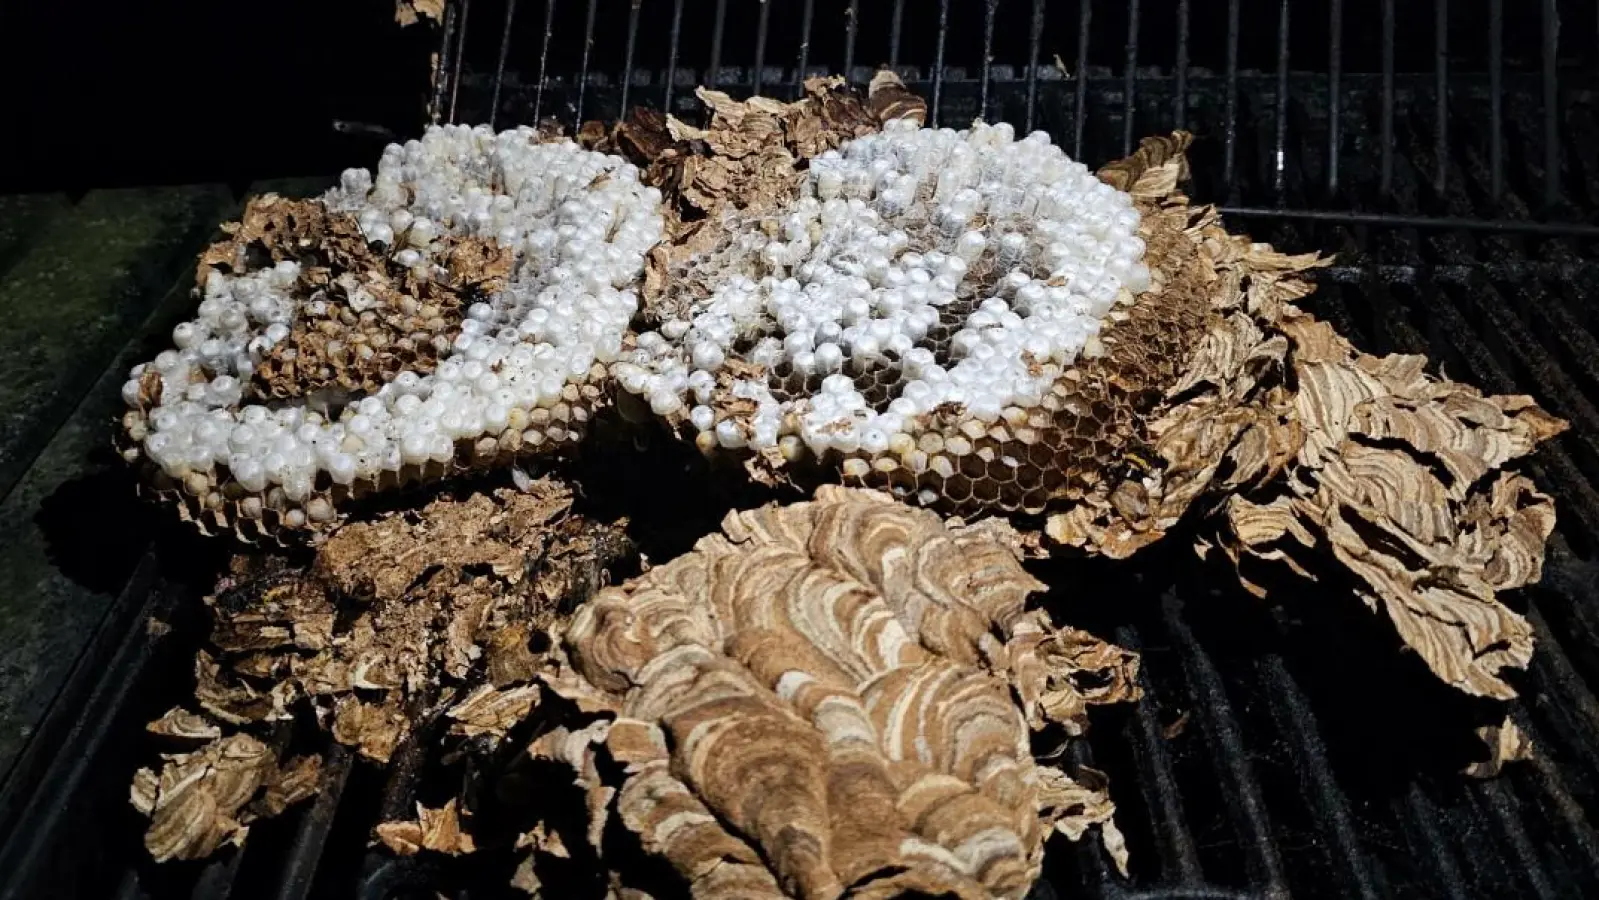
(579, 222)
(919, 268)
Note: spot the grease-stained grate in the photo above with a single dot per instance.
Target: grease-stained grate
(1437, 147)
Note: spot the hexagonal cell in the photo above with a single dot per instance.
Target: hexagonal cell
(957, 489)
(1040, 455)
(985, 491)
(973, 466)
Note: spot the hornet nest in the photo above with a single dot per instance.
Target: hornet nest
(833, 697)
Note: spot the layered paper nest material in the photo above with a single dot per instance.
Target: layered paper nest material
(832, 698)
(1212, 393)
(397, 622)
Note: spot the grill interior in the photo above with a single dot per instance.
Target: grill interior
(1444, 150)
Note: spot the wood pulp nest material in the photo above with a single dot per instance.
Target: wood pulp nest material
(833, 698)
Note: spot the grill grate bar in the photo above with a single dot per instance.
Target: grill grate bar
(1425, 823)
(1279, 161)
(990, 10)
(505, 52)
(895, 28)
(460, 55)
(1468, 273)
(217, 879)
(1179, 857)
(761, 30)
(1335, 94)
(1573, 820)
(1130, 80)
(1501, 806)
(1551, 104)
(713, 72)
(938, 59)
(1085, 18)
(295, 878)
(671, 59)
(852, 26)
(805, 42)
(1386, 180)
(588, 50)
(632, 48)
(544, 60)
(1441, 117)
(1180, 104)
(1496, 102)
(1447, 223)
(1230, 129)
(443, 64)
(1577, 713)
(1034, 40)
(1240, 789)
(1296, 722)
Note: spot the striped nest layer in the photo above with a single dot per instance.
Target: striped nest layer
(1309, 456)
(827, 699)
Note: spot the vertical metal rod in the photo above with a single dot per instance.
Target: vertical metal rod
(760, 46)
(1180, 113)
(583, 74)
(544, 61)
(671, 56)
(499, 68)
(805, 42)
(1130, 78)
(1441, 116)
(714, 73)
(1085, 18)
(895, 27)
(1386, 179)
(988, 57)
(1230, 146)
(1551, 103)
(1032, 61)
(627, 63)
(851, 23)
(938, 59)
(1496, 108)
(1335, 92)
(460, 51)
(1279, 162)
(442, 64)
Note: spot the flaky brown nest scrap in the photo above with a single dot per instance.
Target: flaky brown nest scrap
(1211, 399)
(413, 619)
(830, 698)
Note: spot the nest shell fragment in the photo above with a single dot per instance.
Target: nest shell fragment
(834, 698)
(454, 312)
(391, 615)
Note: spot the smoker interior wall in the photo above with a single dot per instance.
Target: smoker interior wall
(100, 94)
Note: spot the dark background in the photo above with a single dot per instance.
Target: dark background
(102, 93)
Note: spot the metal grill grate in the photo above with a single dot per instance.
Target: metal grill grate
(1435, 68)
(1441, 148)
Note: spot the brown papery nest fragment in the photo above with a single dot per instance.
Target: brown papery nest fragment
(410, 12)
(207, 798)
(1210, 392)
(1320, 458)
(417, 615)
(750, 158)
(832, 698)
